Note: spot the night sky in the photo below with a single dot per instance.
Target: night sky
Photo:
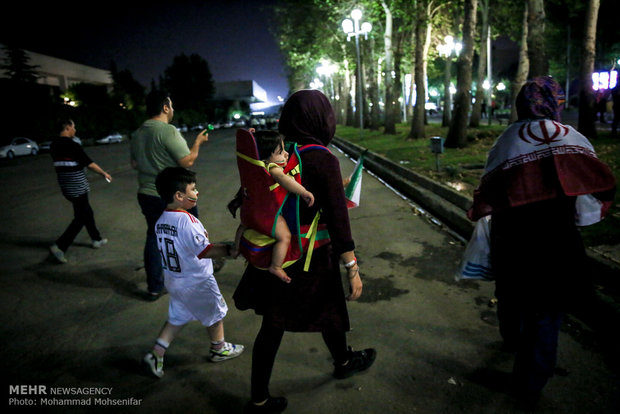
(144, 37)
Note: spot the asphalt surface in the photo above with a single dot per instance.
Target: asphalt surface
(82, 328)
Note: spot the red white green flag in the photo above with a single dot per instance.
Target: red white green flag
(354, 188)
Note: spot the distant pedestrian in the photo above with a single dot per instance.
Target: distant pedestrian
(615, 95)
(69, 161)
(542, 180)
(483, 109)
(601, 105)
(154, 146)
(186, 252)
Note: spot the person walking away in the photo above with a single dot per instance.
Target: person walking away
(186, 253)
(154, 146)
(314, 300)
(542, 180)
(615, 96)
(69, 162)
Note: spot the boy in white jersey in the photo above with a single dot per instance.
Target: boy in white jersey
(188, 270)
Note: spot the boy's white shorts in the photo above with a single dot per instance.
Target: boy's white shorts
(202, 302)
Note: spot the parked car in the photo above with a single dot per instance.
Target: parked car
(115, 137)
(431, 107)
(45, 145)
(19, 146)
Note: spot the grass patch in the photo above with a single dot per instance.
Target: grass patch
(461, 169)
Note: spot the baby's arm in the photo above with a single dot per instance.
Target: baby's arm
(291, 185)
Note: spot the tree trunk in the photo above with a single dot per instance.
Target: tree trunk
(522, 69)
(427, 46)
(397, 91)
(457, 133)
(474, 120)
(417, 124)
(587, 114)
(539, 64)
(348, 98)
(373, 88)
(390, 122)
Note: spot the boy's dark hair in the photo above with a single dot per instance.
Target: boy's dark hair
(171, 180)
(155, 102)
(267, 141)
(62, 123)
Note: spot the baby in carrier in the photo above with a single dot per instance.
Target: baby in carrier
(271, 151)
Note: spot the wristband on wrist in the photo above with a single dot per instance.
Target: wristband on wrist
(351, 263)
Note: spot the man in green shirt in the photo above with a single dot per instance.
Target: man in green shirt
(154, 146)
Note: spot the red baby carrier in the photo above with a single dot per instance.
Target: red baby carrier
(260, 207)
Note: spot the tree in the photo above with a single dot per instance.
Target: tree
(422, 22)
(390, 121)
(586, 93)
(474, 120)
(457, 133)
(127, 92)
(16, 66)
(539, 65)
(522, 69)
(189, 82)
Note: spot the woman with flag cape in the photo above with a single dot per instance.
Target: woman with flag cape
(542, 180)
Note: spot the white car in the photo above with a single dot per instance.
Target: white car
(45, 145)
(19, 146)
(116, 137)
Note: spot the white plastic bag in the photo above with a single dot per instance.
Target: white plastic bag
(476, 261)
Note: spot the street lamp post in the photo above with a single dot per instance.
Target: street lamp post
(447, 49)
(352, 28)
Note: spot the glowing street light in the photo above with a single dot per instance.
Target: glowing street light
(352, 29)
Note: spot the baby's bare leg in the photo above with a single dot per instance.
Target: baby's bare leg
(280, 247)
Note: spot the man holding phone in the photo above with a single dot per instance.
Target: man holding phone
(154, 146)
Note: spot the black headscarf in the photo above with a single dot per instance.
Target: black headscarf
(308, 118)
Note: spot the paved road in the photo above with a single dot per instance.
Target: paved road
(84, 326)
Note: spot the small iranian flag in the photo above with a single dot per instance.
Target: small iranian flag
(354, 188)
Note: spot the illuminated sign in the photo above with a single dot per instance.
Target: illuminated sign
(604, 80)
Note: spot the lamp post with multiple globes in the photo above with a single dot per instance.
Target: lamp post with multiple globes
(353, 29)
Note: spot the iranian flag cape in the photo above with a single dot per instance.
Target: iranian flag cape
(541, 160)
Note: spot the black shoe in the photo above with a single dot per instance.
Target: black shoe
(358, 361)
(273, 405)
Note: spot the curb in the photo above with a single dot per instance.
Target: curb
(600, 312)
(441, 201)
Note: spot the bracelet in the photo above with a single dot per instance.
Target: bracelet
(351, 263)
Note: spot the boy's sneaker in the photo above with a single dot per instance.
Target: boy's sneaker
(98, 243)
(358, 361)
(155, 363)
(58, 254)
(228, 351)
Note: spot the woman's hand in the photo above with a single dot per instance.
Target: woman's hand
(355, 282)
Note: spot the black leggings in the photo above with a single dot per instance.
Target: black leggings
(266, 347)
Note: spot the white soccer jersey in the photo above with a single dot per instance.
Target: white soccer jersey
(181, 237)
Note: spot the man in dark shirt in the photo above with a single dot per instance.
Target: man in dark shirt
(69, 162)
